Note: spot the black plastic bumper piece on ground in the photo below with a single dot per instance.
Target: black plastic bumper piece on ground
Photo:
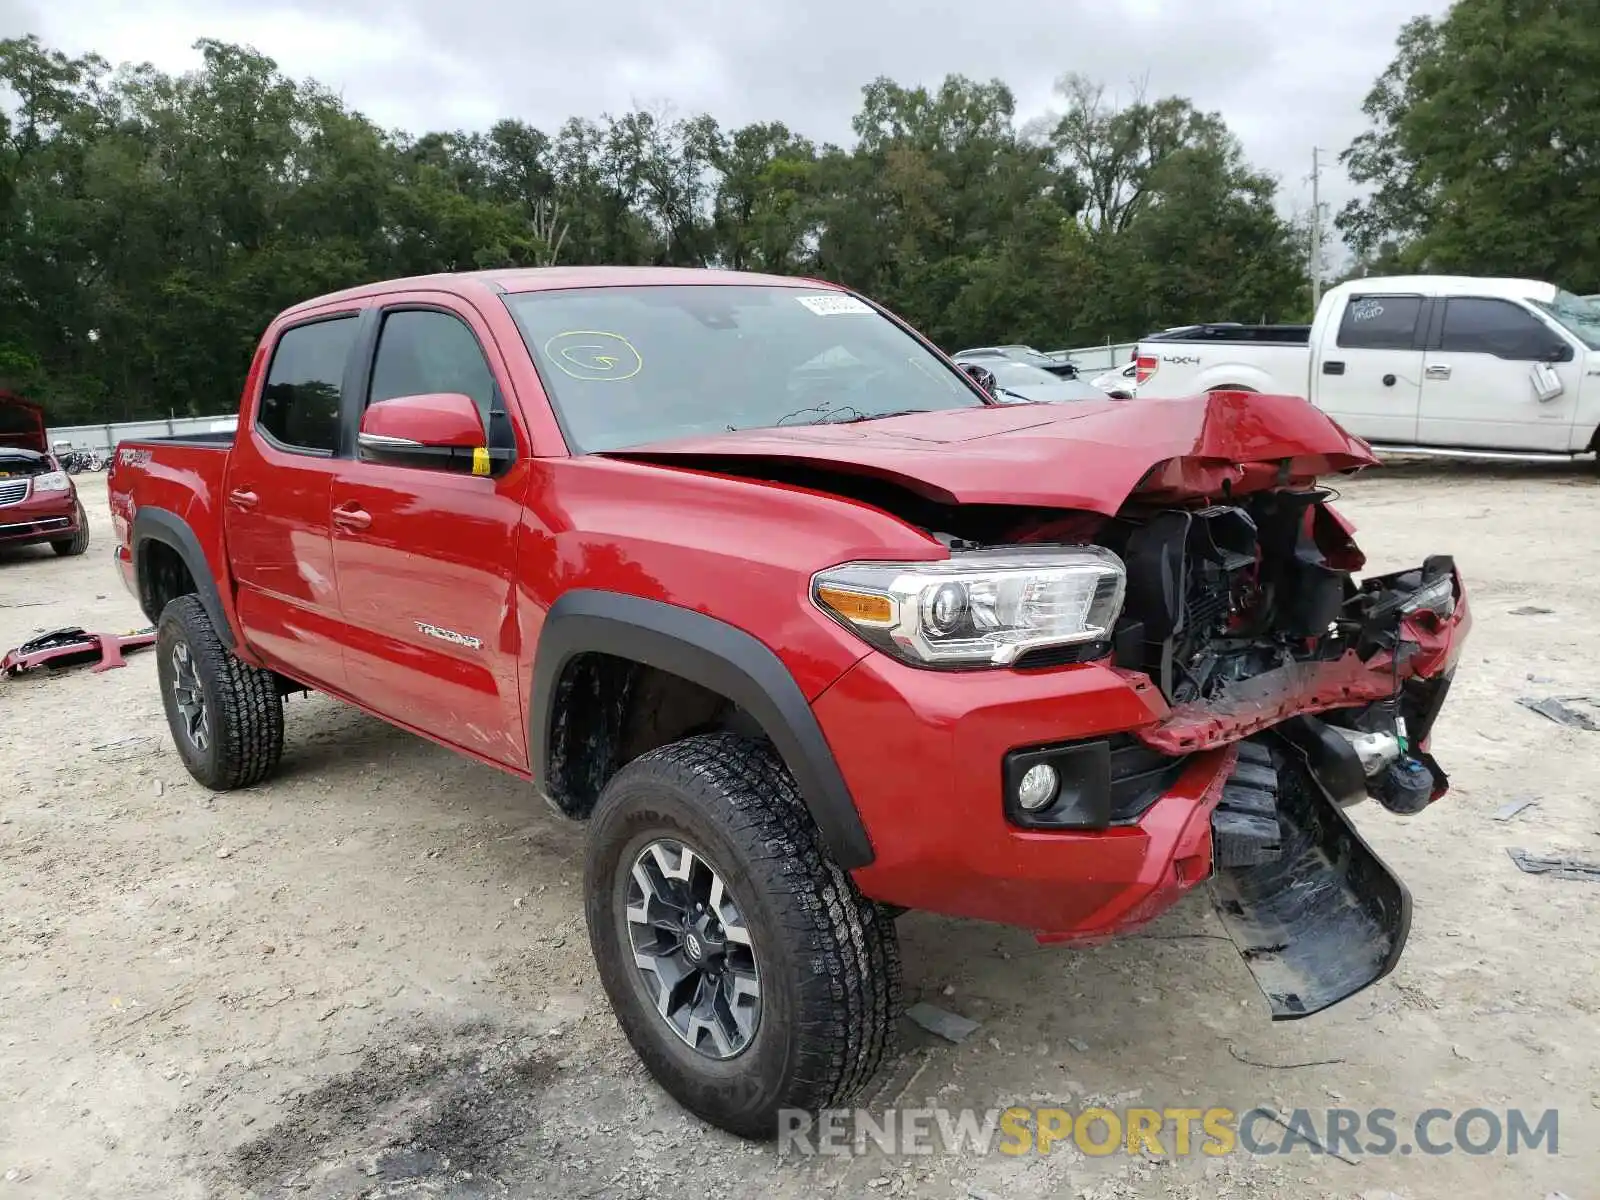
(1325, 918)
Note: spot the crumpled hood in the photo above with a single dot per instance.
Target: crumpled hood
(1089, 456)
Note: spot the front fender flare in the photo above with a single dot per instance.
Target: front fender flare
(716, 656)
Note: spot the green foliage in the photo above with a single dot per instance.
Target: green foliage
(152, 224)
(1484, 156)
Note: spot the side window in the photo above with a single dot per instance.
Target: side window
(300, 402)
(421, 352)
(1380, 322)
(1497, 327)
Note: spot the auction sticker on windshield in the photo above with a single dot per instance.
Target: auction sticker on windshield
(834, 305)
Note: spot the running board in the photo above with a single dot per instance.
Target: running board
(1531, 456)
(1322, 918)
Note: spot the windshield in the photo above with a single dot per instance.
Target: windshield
(626, 366)
(1579, 315)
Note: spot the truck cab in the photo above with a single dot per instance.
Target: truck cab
(1456, 362)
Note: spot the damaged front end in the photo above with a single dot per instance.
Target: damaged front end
(1248, 618)
(1218, 705)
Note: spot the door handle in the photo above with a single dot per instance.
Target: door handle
(1437, 371)
(1333, 368)
(243, 499)
(352, 517)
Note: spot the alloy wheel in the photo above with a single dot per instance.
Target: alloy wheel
(190, 699)
(692, 949)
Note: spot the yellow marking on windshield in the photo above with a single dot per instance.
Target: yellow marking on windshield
(594, 355)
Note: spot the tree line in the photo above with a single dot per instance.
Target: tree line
(152, 223)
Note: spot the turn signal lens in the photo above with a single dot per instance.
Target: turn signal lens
(861, 608)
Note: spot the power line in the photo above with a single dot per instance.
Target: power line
(1316, 227)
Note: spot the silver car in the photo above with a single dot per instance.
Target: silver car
(1019, 383)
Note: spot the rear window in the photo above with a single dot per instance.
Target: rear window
(300, 402)
(1378, 322)
(626, 366)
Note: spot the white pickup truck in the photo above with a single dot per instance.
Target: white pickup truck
(1427, 364)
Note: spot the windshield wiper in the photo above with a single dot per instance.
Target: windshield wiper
(845, 414)
(1018, 395)
(827, 414)
(899, 412)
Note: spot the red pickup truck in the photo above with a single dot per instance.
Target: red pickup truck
(747, 575)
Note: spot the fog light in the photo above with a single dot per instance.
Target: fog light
(1038, 787)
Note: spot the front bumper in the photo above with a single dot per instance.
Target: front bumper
(50, 517)
(922, 753)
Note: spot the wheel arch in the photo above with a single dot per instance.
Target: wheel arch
(159, 527)
(709, 654)
(1233, 376)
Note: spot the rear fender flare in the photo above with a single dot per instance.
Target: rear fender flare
(161, 525)
(714, 655)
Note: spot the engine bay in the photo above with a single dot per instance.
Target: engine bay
(1225, 593)
(1219, 594)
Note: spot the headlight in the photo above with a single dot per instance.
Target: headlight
(51, 481)
(977, 608)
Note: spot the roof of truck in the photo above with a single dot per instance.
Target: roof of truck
(539, 279)
(1455, 285)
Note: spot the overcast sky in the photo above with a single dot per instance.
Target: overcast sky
(1286, 74)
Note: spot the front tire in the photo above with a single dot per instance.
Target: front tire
(226, 716)
(79, 542)
(771, 983)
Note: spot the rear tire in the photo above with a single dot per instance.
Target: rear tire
(823, 959)
(79, 542)
(226, 716)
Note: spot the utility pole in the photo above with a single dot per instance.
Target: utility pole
(1316, 227)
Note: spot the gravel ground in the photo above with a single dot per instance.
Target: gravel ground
(370, 977)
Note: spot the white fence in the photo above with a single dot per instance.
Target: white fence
(1095, 359)
(105, 437)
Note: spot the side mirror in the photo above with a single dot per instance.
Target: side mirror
(981, 376)
(436, 429)
(1547, 385)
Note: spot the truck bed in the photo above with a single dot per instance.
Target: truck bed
(1254, 358)
(176, 479)
(220, 440)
